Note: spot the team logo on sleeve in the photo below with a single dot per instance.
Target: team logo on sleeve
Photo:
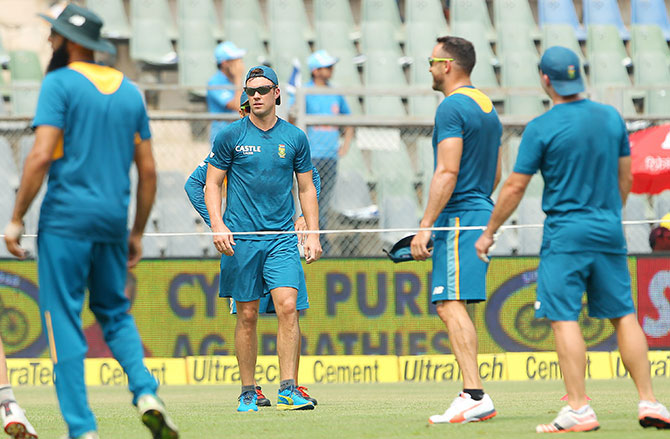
(281, 150)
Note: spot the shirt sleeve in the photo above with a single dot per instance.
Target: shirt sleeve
(448, 120)
(531, 150)
(221, 96)
(223, 148)
(303, 159)
(195, 190)
(52, 103)
(143, 124)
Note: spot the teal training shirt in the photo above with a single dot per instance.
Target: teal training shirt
(577, 146)
(102, 115)
(260, 166)
(469, 114)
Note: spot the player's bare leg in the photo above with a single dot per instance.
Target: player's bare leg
(463, 338)
(571, 351)
(288, 344)
(14, 421)
(246, 350)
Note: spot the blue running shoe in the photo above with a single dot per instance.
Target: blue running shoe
(291, 399)
(248, 402)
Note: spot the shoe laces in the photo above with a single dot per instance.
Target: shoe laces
(259, 392)
(247, 397)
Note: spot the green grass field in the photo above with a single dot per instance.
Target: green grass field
(352, 411)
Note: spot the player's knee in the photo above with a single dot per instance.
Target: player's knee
(247, 316)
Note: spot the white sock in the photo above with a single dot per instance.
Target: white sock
(6, 393)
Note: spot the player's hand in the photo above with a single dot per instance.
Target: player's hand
(419, 245)
(300, 226)
(312, 248)
(134, 249)
(13, 233)
(484, 244)
(223, 243)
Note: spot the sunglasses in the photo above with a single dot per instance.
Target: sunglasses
(432, 60)
(262, 90)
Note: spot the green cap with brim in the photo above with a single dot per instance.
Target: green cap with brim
(80, 26)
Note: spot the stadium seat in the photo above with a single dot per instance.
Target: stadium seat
(421, 38)
(608, 74)
(4, 94)
(248, 15)
(426, 159)
(293, 12)
(651, 12)
(371, 41)
(428, 13)
(648, 38)
(661, 204)
(154, 10)
(196, 52)
(335, 11)
(465, 12)
(351, 193)
(329, 36)
(652, 71)
(285, 47)
(515, 38)
(114, 18)
(561, 35)
(382, 70)
(383, 11)
(4, 56)
(239, 33)
(604, 12)
(530, 212)
(482, 75)
(510, 13)
(560, 12)
(150, 43)
(604, 38)
(26, 73)
(203, 12)
(519, 70)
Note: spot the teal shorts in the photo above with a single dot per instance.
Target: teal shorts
(563, 278)
(458, 274)
(258, 267)
(267, 306)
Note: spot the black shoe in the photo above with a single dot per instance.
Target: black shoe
(262, 401)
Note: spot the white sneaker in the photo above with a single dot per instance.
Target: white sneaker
(653, 414)
(155, 417)
(14, 421)
(568, 419)
(465, 409)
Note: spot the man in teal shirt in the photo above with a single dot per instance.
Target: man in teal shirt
(581, 148)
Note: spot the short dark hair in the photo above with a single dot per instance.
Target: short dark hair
(461, 50)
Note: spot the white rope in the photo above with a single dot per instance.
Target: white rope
(347, 231)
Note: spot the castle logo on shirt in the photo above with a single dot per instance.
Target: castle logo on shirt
(281, 150)
(248, 149)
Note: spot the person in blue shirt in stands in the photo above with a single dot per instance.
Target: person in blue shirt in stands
(90, 125)
(230, 70)
(195, 187)
(259, 155)
(581, 148)
(325, 139)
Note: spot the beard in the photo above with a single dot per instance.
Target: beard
(437, 83)
(60, 58)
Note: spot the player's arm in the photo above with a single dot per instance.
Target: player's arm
(35, 168)
(195, 190)
(300, 224)
(146, 193)
(625, 178)
(310, 209)
(213, 192)
(498, 176)
(442, 185)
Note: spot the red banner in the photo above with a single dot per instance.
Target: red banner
(653, 296)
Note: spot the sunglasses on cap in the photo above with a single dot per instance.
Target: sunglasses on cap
(262, 90)
(432, 60)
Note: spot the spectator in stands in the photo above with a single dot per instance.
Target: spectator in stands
(90, 125)
(230, 70)
(466, 145)
(581, 148)
(325, 139)
(659, 238)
